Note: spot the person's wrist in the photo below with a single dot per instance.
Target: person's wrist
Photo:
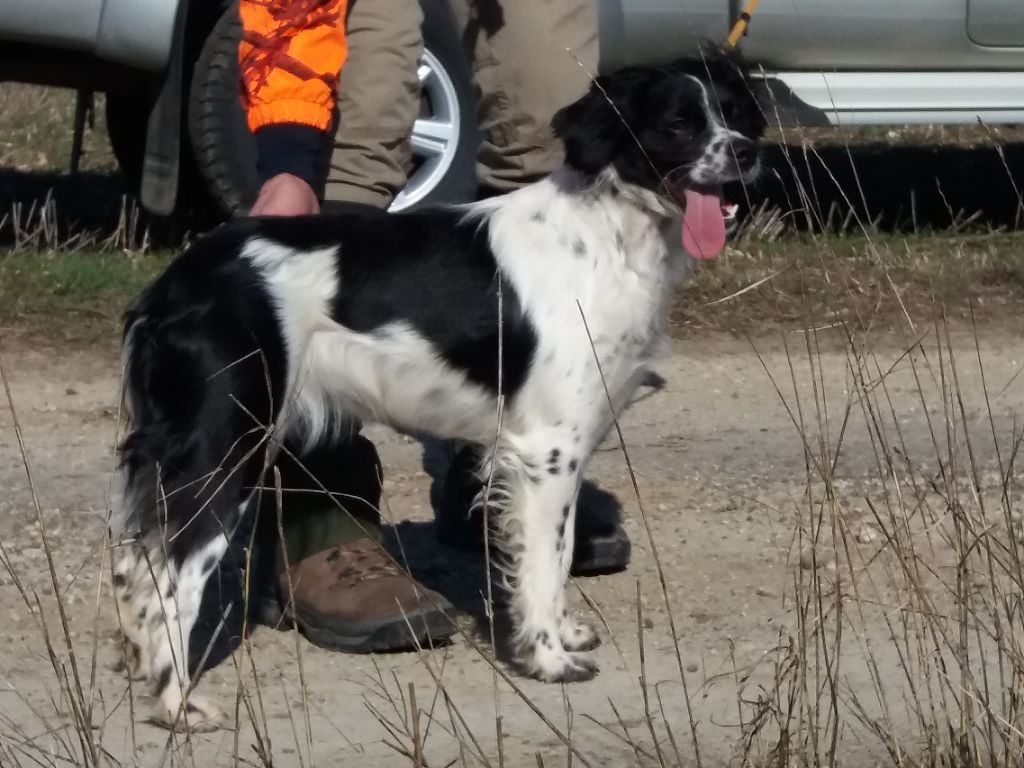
(285, 195)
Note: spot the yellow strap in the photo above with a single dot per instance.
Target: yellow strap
(740, 27)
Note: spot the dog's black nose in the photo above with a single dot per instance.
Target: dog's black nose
(745, 152)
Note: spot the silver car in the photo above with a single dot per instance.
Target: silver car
(168, 68)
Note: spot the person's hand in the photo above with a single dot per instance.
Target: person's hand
(285, 195)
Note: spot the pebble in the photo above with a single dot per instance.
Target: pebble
(808, 559)
(765, 592)
(866, 534)
(692, 667)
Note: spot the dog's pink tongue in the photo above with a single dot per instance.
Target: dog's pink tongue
(703, 224)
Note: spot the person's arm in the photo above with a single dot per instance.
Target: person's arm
(290, 56)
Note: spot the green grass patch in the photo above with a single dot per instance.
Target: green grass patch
(77, 295)
(755, 287)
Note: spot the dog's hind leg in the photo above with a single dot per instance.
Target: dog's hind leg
(178, 608)
(193, 505)
(132, 609)
(158, 598)
(538, 536)
(190, 466)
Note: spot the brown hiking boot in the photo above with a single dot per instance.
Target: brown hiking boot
(353, 597)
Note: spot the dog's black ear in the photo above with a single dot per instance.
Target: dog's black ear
(591, 128)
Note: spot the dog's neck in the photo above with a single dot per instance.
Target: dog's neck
(623, 225)
(609, 184)
(641, 215)
(636, 222)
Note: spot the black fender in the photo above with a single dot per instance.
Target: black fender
(161, 164)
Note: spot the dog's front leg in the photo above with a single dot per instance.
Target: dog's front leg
(576, 635)
(540, 538)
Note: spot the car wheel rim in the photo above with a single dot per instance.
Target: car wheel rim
(435, 135)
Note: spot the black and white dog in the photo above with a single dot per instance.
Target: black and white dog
(274, 329)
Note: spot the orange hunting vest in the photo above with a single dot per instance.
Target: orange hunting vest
(290, 56)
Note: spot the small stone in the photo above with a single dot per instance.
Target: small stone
(866, 534)
(765, 592)
(648, 624)
(692, 667)
(809, 559)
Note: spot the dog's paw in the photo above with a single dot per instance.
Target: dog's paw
(199, 716)
(578, 636)
(557, 665)
(133, 660)
(138, 669)
(567, 668)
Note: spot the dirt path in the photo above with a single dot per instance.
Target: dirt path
(722, 474)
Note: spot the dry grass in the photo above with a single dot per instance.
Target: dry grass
(944, 580)
(865, 281)
(959, 136)
(35, 131)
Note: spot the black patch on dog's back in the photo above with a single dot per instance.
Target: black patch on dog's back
(430, 269)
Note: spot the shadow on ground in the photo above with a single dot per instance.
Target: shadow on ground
(99, 204)
(901, 188)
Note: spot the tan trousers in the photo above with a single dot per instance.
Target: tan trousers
(529, 58)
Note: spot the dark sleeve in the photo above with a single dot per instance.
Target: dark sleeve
(300, 150)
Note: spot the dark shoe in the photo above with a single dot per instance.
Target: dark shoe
(602, 545)
(354, 598)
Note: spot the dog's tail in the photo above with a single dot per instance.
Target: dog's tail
(200, 404)
(156, 462)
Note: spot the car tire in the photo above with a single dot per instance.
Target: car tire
(225, 149)
(127, 116)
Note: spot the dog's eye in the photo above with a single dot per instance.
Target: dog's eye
(680, 125)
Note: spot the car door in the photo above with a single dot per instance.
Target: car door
(889, 35)
(61, 24)
(866, 35)
(825, 35)
(996, 23)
